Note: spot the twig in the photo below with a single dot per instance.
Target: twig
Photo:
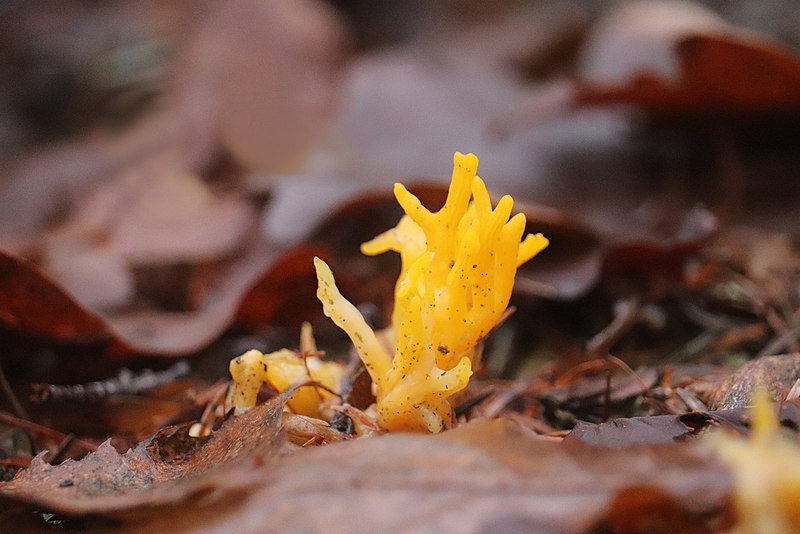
(42, 430)
(12, 398)
(627, 370)
(775, 321)
(691, 402)
(623, 321)
(125, 383)
(693, 347)
(500, 400)
(56, 454)
(780, 343)
(607, 397)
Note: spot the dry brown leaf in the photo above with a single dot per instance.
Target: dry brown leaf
(485, 476)
(665, 429)
(776, 373)
(680, 60)
(647, 509)
(36, 312)
(106, 481)
(628, 432)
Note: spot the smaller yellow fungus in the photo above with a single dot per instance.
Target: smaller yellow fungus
(766, 471)
(458, 268)
(281, 369)
(248, 371)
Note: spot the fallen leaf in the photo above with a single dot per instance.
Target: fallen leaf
(630, 432)
(169, 216)
(570, 266)
(665, 429)
(33, 305)
(655, 264)
(166, 333)
(647, 509)
(36, 312)
(721, 76)
(776, 373)
(484, 476)
(106, 481)
(681, 61)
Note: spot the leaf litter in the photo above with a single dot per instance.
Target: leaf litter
(589, 413)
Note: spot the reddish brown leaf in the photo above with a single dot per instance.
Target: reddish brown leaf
(570, 265)
(34, 305)
(721, 76)
(286, 294)
(647, 509)
(655, 265)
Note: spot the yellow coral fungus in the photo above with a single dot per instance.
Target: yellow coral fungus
(766, 470)
(281, 369)
(458, 268)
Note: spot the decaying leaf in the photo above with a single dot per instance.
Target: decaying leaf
(32, 304)
(572, 264)
(679, 60)
(775, 373)
(648, 508)
(665, 429)
(720, 76)
(106, 481)
(36, 306)
(484, 476)
(630, 432)
(286, 294)
(153, 331)
(280, 69)
(149, 248)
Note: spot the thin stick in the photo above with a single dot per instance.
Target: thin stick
(126, 382)
(780, 343)
(55, 455)
(36, 428)
(12, 398)
(623, 321)
(607, 397)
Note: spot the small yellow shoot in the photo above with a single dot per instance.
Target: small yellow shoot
(766, 470)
